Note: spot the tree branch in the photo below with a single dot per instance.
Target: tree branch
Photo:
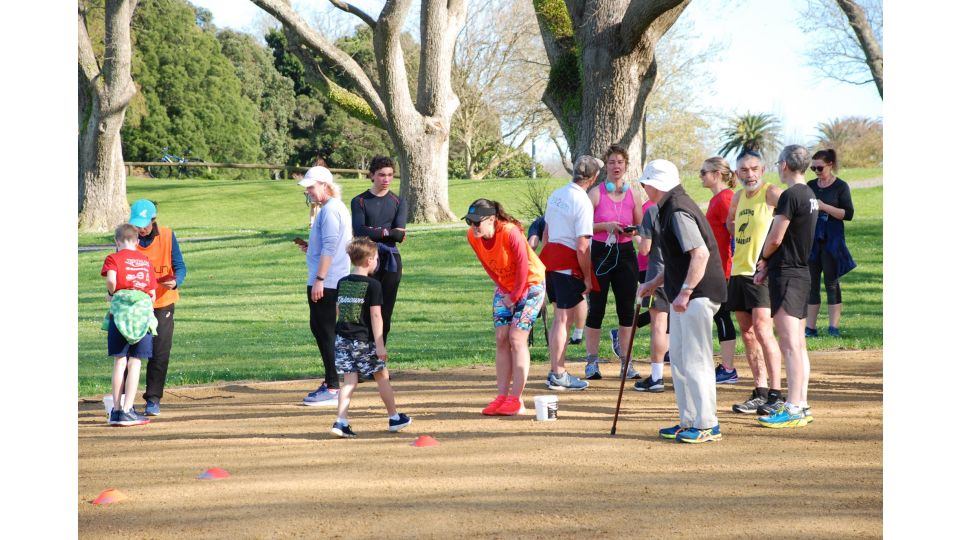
(354, 10)
(86, 58)
(306, 36)
(868, 42)
(640, 16)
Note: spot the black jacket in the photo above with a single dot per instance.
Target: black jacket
(676, 262)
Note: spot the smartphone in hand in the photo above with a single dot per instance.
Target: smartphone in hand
(300, 242)
(630, 228)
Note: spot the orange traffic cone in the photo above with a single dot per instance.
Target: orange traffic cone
(110, 496)
(425, 440)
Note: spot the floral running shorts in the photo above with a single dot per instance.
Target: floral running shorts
(524, 314)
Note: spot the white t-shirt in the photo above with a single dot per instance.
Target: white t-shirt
(569, 215)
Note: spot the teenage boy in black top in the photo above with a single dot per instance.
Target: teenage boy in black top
(784, 260)
(694, 282)
(381, 216)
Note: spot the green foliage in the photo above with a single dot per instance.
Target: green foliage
(193, 98)
(271, 92)
(858, 141)
(352, 104)
(442, 317)
(757, 132)
(556, 16)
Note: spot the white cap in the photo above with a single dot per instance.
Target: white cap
(661, 175)
(314, 175)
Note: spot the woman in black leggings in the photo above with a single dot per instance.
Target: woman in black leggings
(829, 255)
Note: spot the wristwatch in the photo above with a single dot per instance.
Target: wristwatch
(685, 286)
(319, 278)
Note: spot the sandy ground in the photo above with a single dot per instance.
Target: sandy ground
(490, 477)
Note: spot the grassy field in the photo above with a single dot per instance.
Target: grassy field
(242, 314)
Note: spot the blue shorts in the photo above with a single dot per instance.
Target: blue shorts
(117, 345)
(524, 313)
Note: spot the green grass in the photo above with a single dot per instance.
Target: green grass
(243, 313)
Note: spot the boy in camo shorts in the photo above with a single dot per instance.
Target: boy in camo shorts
(360, 349)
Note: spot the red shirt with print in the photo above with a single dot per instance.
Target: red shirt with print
(133, 270)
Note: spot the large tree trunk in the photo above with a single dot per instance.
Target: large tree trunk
(420, 131)
(106, 92)
(868, 42)
(617, 40)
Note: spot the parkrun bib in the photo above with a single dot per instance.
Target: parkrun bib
(752, 224)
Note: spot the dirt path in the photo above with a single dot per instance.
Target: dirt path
(489, 477)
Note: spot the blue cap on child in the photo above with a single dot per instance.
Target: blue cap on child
(142, 212)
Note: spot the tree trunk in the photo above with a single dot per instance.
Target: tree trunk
(423, 177)
(868, 42)
(102, 178)
(615, 43)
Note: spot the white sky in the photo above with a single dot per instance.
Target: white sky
(763, 68)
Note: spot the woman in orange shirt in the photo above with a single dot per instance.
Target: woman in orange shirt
(497, 239)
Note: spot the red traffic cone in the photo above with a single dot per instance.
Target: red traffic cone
(110, 496)
(425, 440)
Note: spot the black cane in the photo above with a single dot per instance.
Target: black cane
(623, 368)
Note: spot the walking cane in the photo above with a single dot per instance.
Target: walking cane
(623, 368)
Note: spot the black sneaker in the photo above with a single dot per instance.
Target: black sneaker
(751, 405)
(400, 423)
(342, 430)
(666, 357)
(649, 385)
(773, 404)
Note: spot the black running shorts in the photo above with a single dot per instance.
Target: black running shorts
(790, 292)
(743, 295)
(564, 289)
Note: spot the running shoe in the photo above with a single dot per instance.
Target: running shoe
(751, 405)
(565, 382)
(130, 418)
(592, 371)
(697, 436)
(726, 377)
(773, 404)
(342, 430)
(615, 343)
(399, 423)
(152, 408)
(783, 418)
(632, 373)
(810, 332)
(576, 341)
(649, 385)
(114, 417)
(511, 406)
(491, 409)
(833, 331)
(671, 432)
(323, 396)
(808, 414)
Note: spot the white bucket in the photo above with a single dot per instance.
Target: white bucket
(546, 408)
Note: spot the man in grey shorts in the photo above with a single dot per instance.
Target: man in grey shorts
(659, 306)
(784, 260)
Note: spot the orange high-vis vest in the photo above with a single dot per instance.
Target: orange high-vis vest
(160, 253)
(497, 258)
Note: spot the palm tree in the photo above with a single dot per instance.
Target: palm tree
(757, 132)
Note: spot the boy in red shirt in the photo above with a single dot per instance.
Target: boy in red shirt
(127, 269)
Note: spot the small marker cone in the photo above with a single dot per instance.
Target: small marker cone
(110, 496)
(216, 473)
(425, 440)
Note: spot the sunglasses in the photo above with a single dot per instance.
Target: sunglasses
(704, 172)
(817, 169)
(473, 223)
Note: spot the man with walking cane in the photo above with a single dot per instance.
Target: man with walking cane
(693, 280)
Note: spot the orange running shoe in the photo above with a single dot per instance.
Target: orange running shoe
(511, 406)
(491, 409)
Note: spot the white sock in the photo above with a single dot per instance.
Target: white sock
(804, 405)
(343, 421)
(791, 408)
(395, 417)
(577, 333)
(656, 371)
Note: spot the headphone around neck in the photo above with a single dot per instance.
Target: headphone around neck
(612, 188)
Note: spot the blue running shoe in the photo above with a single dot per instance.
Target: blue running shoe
(152, 408)
(833, 331)
(323, 396)
(783, 418)
(399, 423)
(726, 377)
(615, 342)
(649, 385)
(810, 332)
(697, 436)
(592, 371)
(671, 432)
(342, 430)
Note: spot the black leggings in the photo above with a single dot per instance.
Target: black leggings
(826, 264)
(323, 324)
(725, 329)
(390, 283)
(614, 265)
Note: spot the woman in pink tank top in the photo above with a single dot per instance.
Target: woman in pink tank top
(615, 207)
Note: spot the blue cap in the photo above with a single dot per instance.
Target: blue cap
(142, 212)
